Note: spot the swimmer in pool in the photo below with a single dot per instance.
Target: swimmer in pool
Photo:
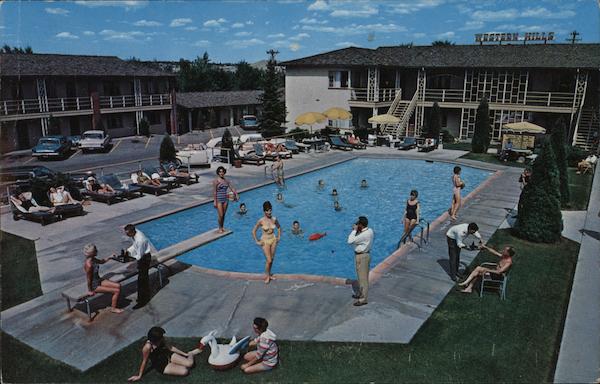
(269, 240)
(243, 210)
(296, 230)
(363, 184)
(337, 206)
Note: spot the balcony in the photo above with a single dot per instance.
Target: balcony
(384, 95)
(79, 105)
(537, 99)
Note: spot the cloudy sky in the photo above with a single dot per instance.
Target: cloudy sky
(243, 30)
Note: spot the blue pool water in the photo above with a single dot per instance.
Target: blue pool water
(383, 202)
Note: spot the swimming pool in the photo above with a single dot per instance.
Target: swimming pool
(383, 202)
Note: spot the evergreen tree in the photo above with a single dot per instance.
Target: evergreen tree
(247, 77)
(442, 43)
(540, 219)
(481, 136)
(227, 145)
(558, 145)
(167, 149)
(435, 122)
(273, 107)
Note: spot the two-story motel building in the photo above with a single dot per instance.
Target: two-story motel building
(533, 82)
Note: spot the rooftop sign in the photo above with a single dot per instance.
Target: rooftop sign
(513, 36)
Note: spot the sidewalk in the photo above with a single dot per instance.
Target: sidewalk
(579, 356)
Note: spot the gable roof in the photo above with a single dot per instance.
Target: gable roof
(217, 99)
(42, 64)
(461, 56)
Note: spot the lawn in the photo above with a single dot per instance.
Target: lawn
(20, 282)
(580, 187)
(467, 339)
(491, 158)
(458, 146)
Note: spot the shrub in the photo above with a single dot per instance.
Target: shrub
(167, 149)
(362, 133)
(558, 146)
(540, 219)
(435, 122)
(575, 155)
(447, 137)
(144, 128)
(481, 136)
(227, 145)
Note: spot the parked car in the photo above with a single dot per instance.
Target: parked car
(52, 147)
(94, 140)
(249, 123)
(74, 139)
(196, 155)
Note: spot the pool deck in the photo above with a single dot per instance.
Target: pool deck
(195, 301)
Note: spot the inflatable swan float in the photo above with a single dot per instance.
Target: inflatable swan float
(223, 356)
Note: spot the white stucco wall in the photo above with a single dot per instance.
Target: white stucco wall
(307, 90)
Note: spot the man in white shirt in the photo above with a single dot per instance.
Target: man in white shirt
(456, 236)
(140, 250)
(361, 239)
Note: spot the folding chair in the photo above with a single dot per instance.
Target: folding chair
(495, 281)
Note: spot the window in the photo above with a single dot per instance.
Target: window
(338, 79)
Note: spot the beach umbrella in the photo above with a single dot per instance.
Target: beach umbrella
(310, 118)
(384, 119)
(337, 113)
(524, 127)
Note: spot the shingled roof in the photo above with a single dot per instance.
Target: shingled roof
(217, 99)
(461, 56)
(36, 64)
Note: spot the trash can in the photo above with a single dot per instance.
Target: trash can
(237, 163)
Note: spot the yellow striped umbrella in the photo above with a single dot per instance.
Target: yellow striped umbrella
(310, 118)
(337, 113)
(384, 119)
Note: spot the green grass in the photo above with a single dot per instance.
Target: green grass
(491, 158)
(19, 273)
(580, 187)
(458, 146)
(467, 339)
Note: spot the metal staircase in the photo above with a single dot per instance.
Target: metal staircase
(404, 110)
(588, 129)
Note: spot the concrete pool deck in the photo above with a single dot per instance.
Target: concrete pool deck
(193, 302)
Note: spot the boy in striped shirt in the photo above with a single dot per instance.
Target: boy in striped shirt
(266, 355)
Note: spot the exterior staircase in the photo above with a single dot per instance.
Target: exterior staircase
(588, 129)
(404, 110)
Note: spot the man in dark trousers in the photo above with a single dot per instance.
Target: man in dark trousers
(456, 236)
(140, 250)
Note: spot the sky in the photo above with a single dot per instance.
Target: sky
(231, 31)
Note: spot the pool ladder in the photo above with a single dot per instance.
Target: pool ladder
(423, 235)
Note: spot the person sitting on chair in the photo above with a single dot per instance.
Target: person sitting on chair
(503, 265)
(60, 196)
(173, 171)
(94, 186)
(143, 178)
(26, 201)
(586, 164)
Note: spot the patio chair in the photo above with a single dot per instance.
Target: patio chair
(408, 143)
(41, 217)
(149, 188)
(186, 179)
(128, 191)
(427, 146)
(107, 198)
(336, 142)
(290, 145)
(157, 173)
(251, 158)
(260, 151)
(494, 281)
(356, 143)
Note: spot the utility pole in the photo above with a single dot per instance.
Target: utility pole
(272, 53)
(573, 39)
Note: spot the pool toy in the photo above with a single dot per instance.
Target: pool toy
(221, 358)
(316, 236)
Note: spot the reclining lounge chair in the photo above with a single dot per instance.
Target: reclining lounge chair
(107, 198)
(149, 188)
(336, 142)
(42, 217)
(186, 178)
(128, 191)
(427, 146)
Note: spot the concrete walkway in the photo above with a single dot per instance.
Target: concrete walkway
(194, 302)
(579, 356)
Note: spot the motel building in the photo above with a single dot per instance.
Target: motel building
(536, 81)
(52, 94)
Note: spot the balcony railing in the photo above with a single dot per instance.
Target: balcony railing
(66, 104)
(384, 94)
(545, 99)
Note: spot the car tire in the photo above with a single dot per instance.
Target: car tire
(16, 217)
(178, 162)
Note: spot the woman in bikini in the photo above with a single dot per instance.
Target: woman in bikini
(268, 241)
(411, 215)
(221, 200)
(457, 185)
(91, 266)
(164, 358)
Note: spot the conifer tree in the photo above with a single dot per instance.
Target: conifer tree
(558, 145)
(167, 149)
(435, 122)
(273, 107)
(481, 136)
(540, 219)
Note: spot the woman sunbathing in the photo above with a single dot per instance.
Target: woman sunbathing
(94, 186)
(60, 196)
(143, 178)
(26, 201)
(503, 265)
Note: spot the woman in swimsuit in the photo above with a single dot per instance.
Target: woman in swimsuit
(164, 358)
(220, 187)
(95, 284)
(411, 215)
(268, 241)
(457, 185)
(502, 266)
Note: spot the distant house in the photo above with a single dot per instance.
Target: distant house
(535, 82)
(45, 94)
(200, 110)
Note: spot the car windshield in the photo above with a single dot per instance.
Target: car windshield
(250, 120)
(95, 136)
(49, 141)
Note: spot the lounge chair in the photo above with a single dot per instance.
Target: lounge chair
(427, 146)
(290, 145)
(408, 143)
(162, 176)
(107, 198)
(259, 150)
(179, 178)
(336, 142)
(128, 191)
(42, 217)
(149, 188)
(251, 158)
(356, 143)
